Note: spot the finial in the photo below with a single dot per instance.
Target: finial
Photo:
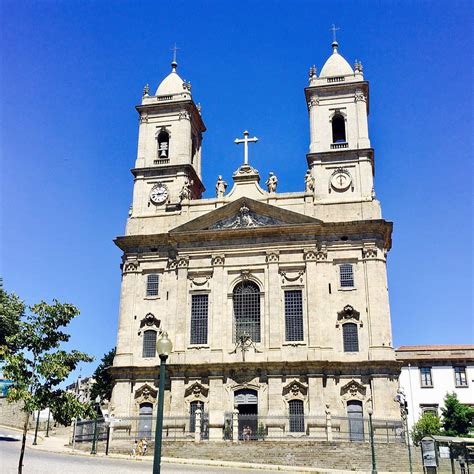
(146, 89)
(335, 44)
(174, 64)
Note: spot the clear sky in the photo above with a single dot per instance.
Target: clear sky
(72, 72)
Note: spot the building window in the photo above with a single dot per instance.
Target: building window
(149, 343)
(152, 284)
(350, 337)
(296, 412)
(460, 376)
(246, 300)
(163, 145)
(193, 407)
(199, 313)
(338, 129)
(433, 409)
(425, 377)
(294, 315)
(346, 275)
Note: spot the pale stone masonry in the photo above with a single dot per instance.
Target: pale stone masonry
(298, 278)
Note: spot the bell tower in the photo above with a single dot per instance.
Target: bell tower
(340, 157)
(168, 166)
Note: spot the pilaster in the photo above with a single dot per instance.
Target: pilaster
(218, 334)
(216, 407)
(274, 313)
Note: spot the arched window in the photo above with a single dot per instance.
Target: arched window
(356, 420)
(246, 298)
(149, 343)
(163, 144)
(350, 337)
(193, 406)
(338, 129)
(296, 412)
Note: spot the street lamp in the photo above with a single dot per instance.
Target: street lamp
(163, 347)
(94, 436)
(372, 447)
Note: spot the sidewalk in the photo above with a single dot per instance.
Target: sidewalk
(59, 445)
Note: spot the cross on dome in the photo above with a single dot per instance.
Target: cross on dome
(246, 140)
(174, 64)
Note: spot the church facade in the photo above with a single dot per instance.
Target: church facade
(276, 303)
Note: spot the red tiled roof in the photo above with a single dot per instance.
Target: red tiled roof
(436, 348)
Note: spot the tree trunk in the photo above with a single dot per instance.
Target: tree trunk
(23, 443)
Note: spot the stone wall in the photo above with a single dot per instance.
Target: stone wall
(11, 414)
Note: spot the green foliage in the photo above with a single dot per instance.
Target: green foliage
(261, 431)
(457, 418)
(11, 312)
(38, 364)
(428, 424)
(103, 380)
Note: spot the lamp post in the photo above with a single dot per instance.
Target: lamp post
(163, 347)
(94, 436)
(372, 447)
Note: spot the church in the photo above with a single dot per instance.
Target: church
(276, 303)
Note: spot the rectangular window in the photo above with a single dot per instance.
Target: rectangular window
(460, 376)
(346, 275)
(199, 312)
(149, 343)
(425, 377)
(294, 315)
(152, 284)
(433, 408)
(350, 337)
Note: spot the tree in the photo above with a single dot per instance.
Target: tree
(429, 424)
(38, 365)
(103, 381)
(457, 419)
(11, 311)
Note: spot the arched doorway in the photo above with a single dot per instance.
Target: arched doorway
(246, 401)
(145, 420)
(356, 420)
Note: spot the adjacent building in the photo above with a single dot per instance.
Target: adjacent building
(430, 372)
(277, 303)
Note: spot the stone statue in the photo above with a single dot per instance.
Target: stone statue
(221, 186)
(186, 189)
(271, 182)
(309, 182)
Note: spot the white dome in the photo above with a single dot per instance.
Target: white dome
(171, 84)
(336, 65)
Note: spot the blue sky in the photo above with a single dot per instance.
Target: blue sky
(72, 72)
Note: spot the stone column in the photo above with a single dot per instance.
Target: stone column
(273, 291)
(313, 105)
(275, 407)
(218, 333)
(180, 337)
(216, 407)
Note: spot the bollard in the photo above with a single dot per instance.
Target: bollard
(197, 426)
(235, 426)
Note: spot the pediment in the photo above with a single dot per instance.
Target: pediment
(245, 213)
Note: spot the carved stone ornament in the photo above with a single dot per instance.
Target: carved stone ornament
(146, 393)
(179, 262)
(184, 115)
(245, 219)
(245, 275)
(217, 260)
(294, 389)
(309, 254)
(340, 181)
(359, 96)
(131, 266)
(199, 279)
(291, 276)
(150, 320)
(369, 252)
(245, 170)
(196, 390)
(313, 102)
(144, 118)
(322, 253)
(348, 312)
(273, 257)
(353, 389)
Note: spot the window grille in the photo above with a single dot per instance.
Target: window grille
(350, 337)
(294, 315)
(193, 407)
(152, 284)
(199, 314)
(346, 275)
(425, 374)
(460, 376)
(246, 299)
(149, 343)
(296, 412)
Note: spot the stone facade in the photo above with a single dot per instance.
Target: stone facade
(268, 297)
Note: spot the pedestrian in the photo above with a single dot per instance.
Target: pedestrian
(144, 446)
(134, 450)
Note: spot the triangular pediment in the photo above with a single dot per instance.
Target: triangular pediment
(245, 213)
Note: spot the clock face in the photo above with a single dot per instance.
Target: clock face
(159, 193)
(341, 180)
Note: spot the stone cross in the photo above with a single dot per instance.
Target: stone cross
(246, 140)
(334, 29)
